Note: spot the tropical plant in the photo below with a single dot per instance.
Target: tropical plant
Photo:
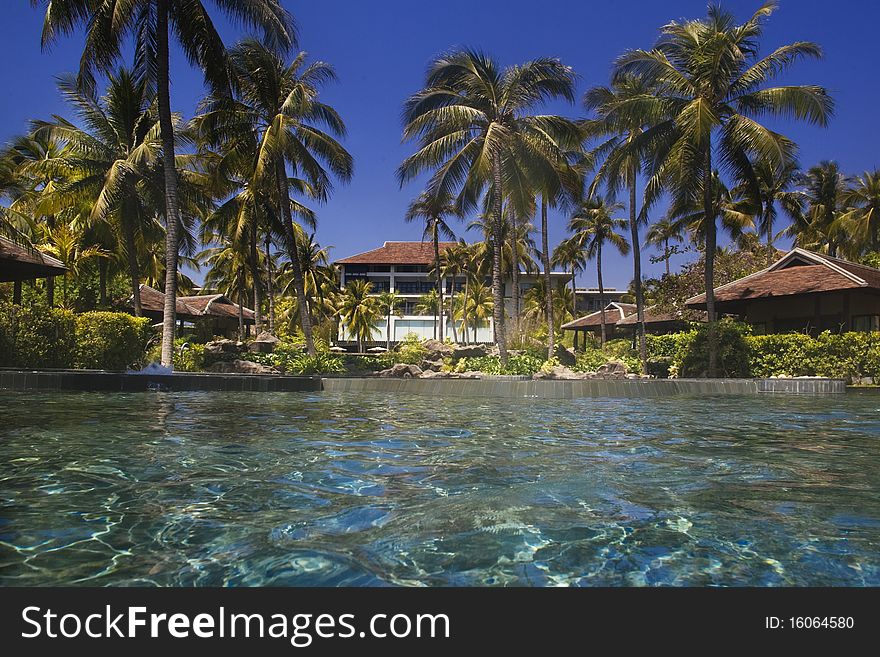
(661, 233)
(593, 226)
(710, 92)
(862, 220)
(359, 311)
(823, 188)
(775, 188)
(475, 129)
(389, 304)
(569, 255)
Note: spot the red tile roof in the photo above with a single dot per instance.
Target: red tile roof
(614, 312)
(397, 253)
(18, 262)
(798, 272)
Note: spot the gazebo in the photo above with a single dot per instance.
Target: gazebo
(592, 323)
(25, 263)
(222, 313)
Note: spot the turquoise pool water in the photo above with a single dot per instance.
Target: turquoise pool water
(329, 489)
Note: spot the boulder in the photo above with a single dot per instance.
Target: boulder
(401, 371)
(242, 367)
(223, 346)
(264, 343)
(431, 365)
(613, 369)
(560, 373)
(469, 351)
(436, 350)
(565, 356)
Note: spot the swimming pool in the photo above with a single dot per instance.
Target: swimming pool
(249, 489)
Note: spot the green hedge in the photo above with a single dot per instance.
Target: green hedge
(41, 337)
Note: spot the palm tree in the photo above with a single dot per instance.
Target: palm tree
(108, 163)
(709, 96)
(278, 104)
(736, 213)
(433, 209)
(359, 311)
(228, 272)
(862, 221)
(593, 225)
(775, 187)
(569, 255)
(478, 305)
(389, 304)
(71, 248)
(454, 264)
(661, 233)
(107, 25)
(622, 167)
(475, 129)
(823, 190)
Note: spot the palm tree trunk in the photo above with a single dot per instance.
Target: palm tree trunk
(240, 314)
(548, 290)
(601, 293)
(102, 282)
(172, 210)
(388, 331)
(133, 268)
(514, 273)
(464, 322)
(497, 282)
(441, 319)
(270, 287)
(637, 273)
(667, 255)
(452, 311)
(574, 303)
(299, 284)
(256, 279)
(709, 275)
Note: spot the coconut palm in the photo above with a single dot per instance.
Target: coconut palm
(862, 221)
(824, 188)
(389, 304)
(433, 209)
(277, 105)
(661, 233)
(70, 247)
(594, 225)
(454, 264)
(108, 23)
(736, 214)
(478, 305)
(710, 93)
(359, 311)
(474, 127)
(569, 255)
(229, 273)
(775, 187)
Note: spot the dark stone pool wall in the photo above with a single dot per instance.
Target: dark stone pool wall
(501, 386)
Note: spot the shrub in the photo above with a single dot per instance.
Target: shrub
(110, 341)
(410, 350)
(671, 345)
(37, 336)
(188, 356)
(517, 364)
(590, 360)
(299, 362)
(732, 349)
(789, 354)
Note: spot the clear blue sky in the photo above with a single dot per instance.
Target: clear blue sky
(380, 50)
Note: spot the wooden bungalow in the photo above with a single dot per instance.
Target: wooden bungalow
(216, 308)
(803, 291)
(23, 263)
(660, 323)
(592, 323)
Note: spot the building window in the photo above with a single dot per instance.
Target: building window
(866, 323)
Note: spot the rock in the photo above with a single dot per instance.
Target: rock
(470, 375)
(242, 367)
(469, 351)
(432, 365)
(223, 346)
(401, 371)
(613, 369)
(565, 356)
(436, 350)
(264, 343)
(560, 373)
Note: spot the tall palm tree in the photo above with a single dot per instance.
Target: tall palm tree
(736, 213)
(433, 209)
(569, 255)
(279, 104)
(389, 304)
(475, 129)
(622, 167)
(359, 311)
(455, 264)
(661, 233)
(862, 221)
(108, 162)
(593, 226)
(776, 188)
(107, 25)
(478, 305)
(229, 273)
(824, 187)
(710, 94)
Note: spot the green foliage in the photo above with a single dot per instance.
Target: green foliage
(188, 356)
(410, 350)
(838, 356)
(732, 348)
(295, 361)
(37, 336)
(517, 364)
(110, 341)
(592, 358)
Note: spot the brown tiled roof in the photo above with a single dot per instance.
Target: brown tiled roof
(18, 262)
(206, 305)
(614, 312)
(397, 253)
(653, 316)
(798, 272)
